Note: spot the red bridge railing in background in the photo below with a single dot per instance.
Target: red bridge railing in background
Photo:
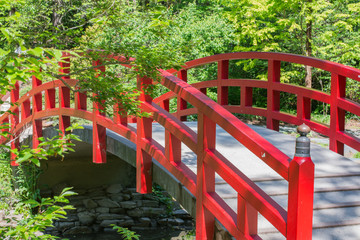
(337, 100)
(299, 172)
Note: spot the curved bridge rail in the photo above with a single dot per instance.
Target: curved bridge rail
(295, 223)
(337, 100)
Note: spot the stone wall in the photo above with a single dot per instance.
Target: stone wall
(98, 208)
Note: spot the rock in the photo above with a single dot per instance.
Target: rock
(114, 188)
(109, 216)
(176, 221)
(65, 225)
(150, 203)
(129, 190)
(109, 230)
(69, 218)
(137, 212)
(86, 218)
(117, 197)
(102, 210)
(117, 210)
(144, 222)
(89, 203)
(126, 197)
(107, 223)
(153, 212)
(128, 204)
(106, 202)
(78, 230)
(126, 223)
(163, 221)
(137, 196)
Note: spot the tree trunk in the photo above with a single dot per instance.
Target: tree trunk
(308, 51)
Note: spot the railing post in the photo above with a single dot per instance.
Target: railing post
(222, 91)
(99, 132)
(37, 107)
(301, 189)
(64, 93)
(337, 115)
(144, 132)
(14, 140)
(247, 217)
(303, 108)
(120, 118)
(273, 96)
(181, 103)
(246, 96)
(205, 183)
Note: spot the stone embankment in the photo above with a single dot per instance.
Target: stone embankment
(98, 208)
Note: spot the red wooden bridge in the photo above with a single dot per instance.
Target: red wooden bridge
(293, 221)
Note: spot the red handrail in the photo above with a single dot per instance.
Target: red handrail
(339, 104)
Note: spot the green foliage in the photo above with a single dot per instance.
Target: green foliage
(126, 233)
(163, 197)
(31, 225)
(19, 194)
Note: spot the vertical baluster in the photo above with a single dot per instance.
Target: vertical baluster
(247, 217)
(172, 148)
(337, 115)
(37, 107)
(144, 131)
(80, 100)
(181, 103)
(203, 90)
(205, 177)
(99, 132)
(301, 189)
(246, 96)
(273, 96)
(222, 91)
(122, 117)
(64, 93)
(165, 104)
(14, 140)
(303, 107)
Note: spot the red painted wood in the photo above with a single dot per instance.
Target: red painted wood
(165, 104)
(303, 108)
(247, 217)
(99, 131)
(337, 115)
(205, 177)
(181, 103)
(80, 100)
(263, 203)
(14, 118)
(120, 116)
(301, 196)
(144, 131)
(172, 147)
(36, 107)
(246, 96)
(273, 96)
(222, 89)
(64, 93)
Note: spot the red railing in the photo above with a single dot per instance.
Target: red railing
(299, 172)
(339, 104)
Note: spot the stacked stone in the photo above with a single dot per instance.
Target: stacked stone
(98, 208)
